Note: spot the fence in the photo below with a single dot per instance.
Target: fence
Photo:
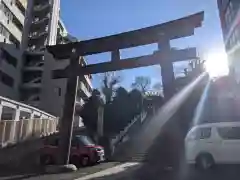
(12, 131)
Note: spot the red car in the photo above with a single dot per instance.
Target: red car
(83, 151)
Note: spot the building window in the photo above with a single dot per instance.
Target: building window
(234, 39)
(9, 58)
(12, 2)
(230, 14)
(6, 79)
(7, 12)
(17, 23)
(4, 31)
(12, 18)
(58, 91)
(14, 41)
(229, 133)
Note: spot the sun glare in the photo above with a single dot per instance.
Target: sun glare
(217, 64)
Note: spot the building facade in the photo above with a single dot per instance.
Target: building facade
(229, 11)
(55, 89)
(25, 65)
(40, 30)
(12, 15)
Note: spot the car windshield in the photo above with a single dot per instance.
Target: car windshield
(85, 140)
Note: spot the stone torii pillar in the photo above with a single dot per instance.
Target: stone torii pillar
(167, 71)
(66, 122)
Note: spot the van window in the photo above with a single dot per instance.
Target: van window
(229, 132)
(204, 133)
(200, 133)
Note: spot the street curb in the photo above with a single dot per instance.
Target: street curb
(54, 169)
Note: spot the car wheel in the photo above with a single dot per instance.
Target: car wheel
(46, 160)
(205, 161)
(84, 160)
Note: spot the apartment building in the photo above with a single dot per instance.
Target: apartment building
(229, 11)
(40, 29)
(12, 15)
(55, 89)
(25, 65)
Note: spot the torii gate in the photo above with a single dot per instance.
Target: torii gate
(165, 56)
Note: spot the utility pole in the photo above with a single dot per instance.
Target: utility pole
(66, 123)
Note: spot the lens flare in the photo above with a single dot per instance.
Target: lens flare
(217, 64)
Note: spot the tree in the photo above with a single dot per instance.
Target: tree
(116, 112)
(121, 110)
(89, 113)
(142, 83)
(157, 86)
(108, 88)
(135, 103)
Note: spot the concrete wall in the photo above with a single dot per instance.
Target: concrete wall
(51, 100)
(14, 72)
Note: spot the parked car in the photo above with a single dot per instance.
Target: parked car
(213, 143)
(83, 151)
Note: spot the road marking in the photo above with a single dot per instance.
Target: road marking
(110, 171)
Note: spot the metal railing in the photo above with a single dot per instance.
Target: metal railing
(119, 138)
(12, 132)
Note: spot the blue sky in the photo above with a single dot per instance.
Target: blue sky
(87, 19)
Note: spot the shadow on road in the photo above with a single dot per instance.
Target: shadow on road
(10, 173)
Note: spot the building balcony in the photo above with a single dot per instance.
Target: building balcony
(84, 92)
(232, 27)
(79, 101)
(36, 35)
(15, 10)
(88, 80)
(12, 28)
(33, 68)
(34, 83)
(32, 103)
(41, 7)
(32, 51)
(31, 85)
(34, 97)
(39, 20)
(34, 65)
(36, 50)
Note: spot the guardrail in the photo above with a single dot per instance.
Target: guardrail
(12, 132)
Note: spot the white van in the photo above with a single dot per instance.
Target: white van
(212, 143)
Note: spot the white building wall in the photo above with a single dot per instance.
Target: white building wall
(14, 9)
(27, 24)
(52, 38)
(8, 24)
